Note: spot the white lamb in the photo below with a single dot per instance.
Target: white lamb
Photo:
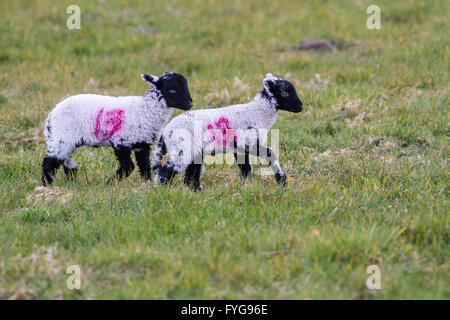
(190, 136)
(131, 123)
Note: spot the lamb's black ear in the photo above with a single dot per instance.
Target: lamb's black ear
(149, 78)
(269, 81)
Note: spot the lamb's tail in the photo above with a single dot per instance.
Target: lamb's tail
(158, 153)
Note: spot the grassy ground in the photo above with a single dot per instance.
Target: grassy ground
(366, 160)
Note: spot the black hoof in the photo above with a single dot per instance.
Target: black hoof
(71, 174)
(47, 179)
(244, 176)
(197, 188)
(49, 167)
(281, 179)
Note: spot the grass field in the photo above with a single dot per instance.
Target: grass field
(367, 159)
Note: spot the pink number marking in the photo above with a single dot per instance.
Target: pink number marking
(222, 134)
(109, 123)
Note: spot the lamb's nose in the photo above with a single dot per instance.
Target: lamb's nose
(191, 104)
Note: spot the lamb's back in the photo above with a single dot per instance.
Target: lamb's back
(236, 115)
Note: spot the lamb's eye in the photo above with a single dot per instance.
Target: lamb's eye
(284, 94)
(172, 91)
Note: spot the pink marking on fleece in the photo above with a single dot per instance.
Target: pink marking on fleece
(222, 134)
(108, 124)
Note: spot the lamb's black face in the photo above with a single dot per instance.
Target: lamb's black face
(174, 89)
(284, 93)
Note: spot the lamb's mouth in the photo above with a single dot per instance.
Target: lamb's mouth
(297, 109)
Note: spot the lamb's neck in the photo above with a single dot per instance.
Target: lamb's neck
(154, 95)
(264, 110)
(155, 102)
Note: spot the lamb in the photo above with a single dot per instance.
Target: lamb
(190, 136)
(129, 123)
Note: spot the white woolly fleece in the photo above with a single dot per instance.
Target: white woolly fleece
(260, 113)
(97, 120)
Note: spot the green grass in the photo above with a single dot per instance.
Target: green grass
(367, 160)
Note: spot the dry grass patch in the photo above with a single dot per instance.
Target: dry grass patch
(22, 294)
(222, 96)
(352, 112)
(45, 195)
(28, 139)
(41, 262)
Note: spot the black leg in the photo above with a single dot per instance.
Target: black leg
(159, 151)
(267, 154)
(126, 165)
(244, 164)
(142, 154)
(281, 178)
(49, 167)
(192, 176)
(166, 173)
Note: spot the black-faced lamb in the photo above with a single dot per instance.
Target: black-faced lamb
(129, 123)
(190, 136)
